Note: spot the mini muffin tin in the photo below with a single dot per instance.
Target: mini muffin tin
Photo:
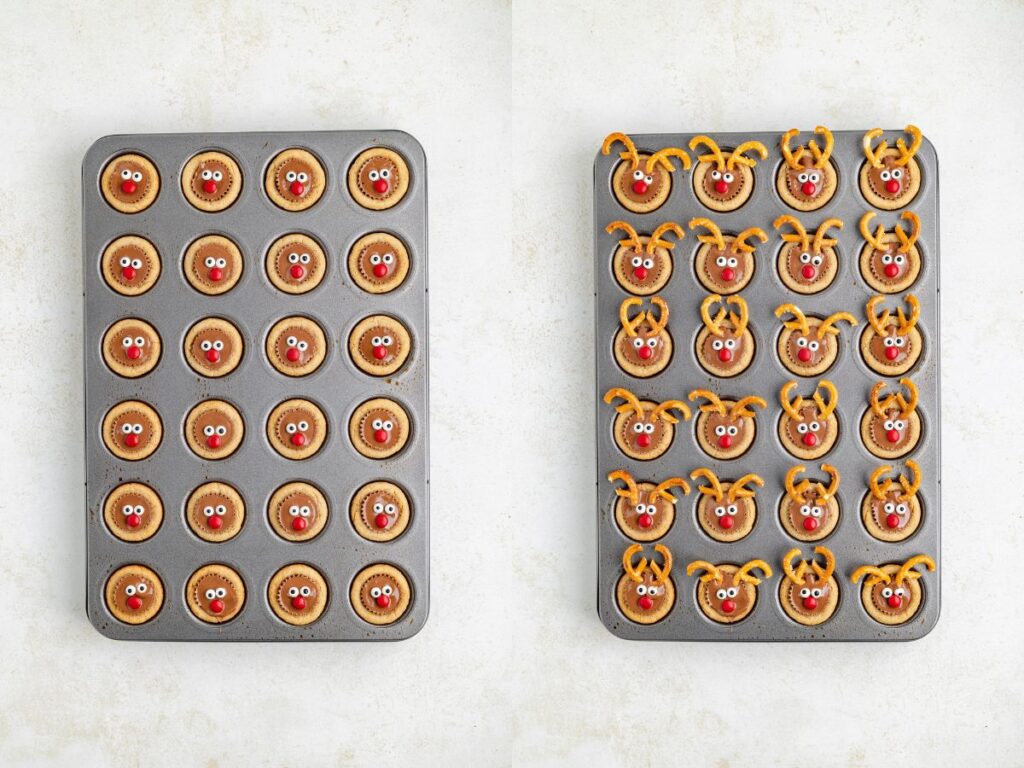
(253, 303)
(683, 294)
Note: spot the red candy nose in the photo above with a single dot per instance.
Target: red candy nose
(128, 187)
(298, 439)
(645, 603)
(810, 439)
(292, 354)
(807, 272)
(728, 274)
(213, 441)
(134, 353)
(380, 270)
(891, 270)
(810, 524)
(892, 186)
(725, 441)
(804, 355)
(640, 187)
(297, 272)
(645, 352)
(216, 274)
(380, 186)
(213, 355)
(894, 601)
(640, 273)
(727, 522)
(133, 521)
(810, 603)
(728, 606)
(132, 440)
(128, 273)
(216, 606)
(215, 522)
(892, 520)
(721, 187)
(297, 188)
(808, 188)
(891, 353)
(381, 436)
(383, 601)
(724, 355)
(299, 603)
(893, 435)
(381, 520)
(134, 602)
(299, 524)
(643, 441)
(380, 352)
(209, 186)
(645, 520)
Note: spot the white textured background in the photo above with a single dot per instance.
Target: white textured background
(510, 100)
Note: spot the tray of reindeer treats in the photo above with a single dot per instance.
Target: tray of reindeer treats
(256, 386)
(767, 325)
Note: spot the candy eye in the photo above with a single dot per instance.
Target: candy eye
(888, 341)
(899, 259)
(293, 258)
(303, 176)
(638, 427)
(801, 342)
(900, 341)
(887, 425)
(222, 263)
(733, 591)
(374, 175)
(209, 262)
(222, 430)
(208, 512)
(889, 508)
(290, 176)
(638, 175)
(652, 343)
(899, 424)
(293, 592)
(733, 261)
(732, 509)
(814, 426)
(205, 345)
(127, 509)
(209, 431)
(375, 341)
(638, 342)
(720, 430)
(389, 258)
(129, 590)
(137, 177)
(218, 345)
(734, 430)
(293, 510)
(902, 509)
(816, 261)
(140, 341)
(126, 342)
(636, 261)
(805, 258)
(210, 594)
(813, 346)
(377, 424)
(719, 511)
(124, 261)
(303, 426)
(816, 512)
(221, 592)
(802, 178)
(206, 175)
(126, 174)
(805, 592)
(717, 344)
(887, 259)
(884, 175)
(897, 173)
(303, 346)
(728, 178)
(385, 173)
(641, 590)
(816, 592)
(722, 594)
(805, 510)
(305, 258)
(386, 341)
(217, 175)
(721, 261)
(730, 343)
(375, 593)
(649, 263)
(649, 179)
(388, 426)
(649, 429)
(651, 509)
(899, 592)
(886, 592)
(291, 429)
(813, 178)
(801, 428)
(291, 341)
(305, 511)
(387, 589)
(716, 175)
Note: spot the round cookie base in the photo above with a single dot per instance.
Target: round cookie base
(155, 511)
(195, 605)
(228, 329)
(704, 277)
(818, 534)
(402, 184)
(313, 446)
(664, 523)
(916, 346)
(318, 182)
(401, 417)
(371, 533)
(876, 200)
(318, 262)
(797, 368)
(110, 588)
(880, 451)
(404, 594)
(829, 184)
(733, 451)
(714, 367)
(123, 453)
(200, 448)
(192, 514)
(886, 286)
(732, 534)
(310, 573)
(916, 598)
(823, 281)
(646, 618)
(311, 531)
(401, 336)
(144, 202)
(736, 202)
(890, 534)
(196, 280)
(621, 267)
(652, 452)
(127, 371)
(114, 280)
(808, 454)
(316, 359)
(643, 371)
(723, 618)
(369, 283)
(648, 206)
(226, 200)
(831, 604)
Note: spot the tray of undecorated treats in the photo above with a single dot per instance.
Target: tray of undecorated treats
(767, 330)
(256, 423)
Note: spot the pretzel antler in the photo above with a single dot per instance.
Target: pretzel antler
(791, 407)
(630, 325)
(631, 491)
(878, 576)
(715, 155)
(630, 154)
(713, 404)
(740, 244)
(820, 240)
(907, 322)
(876, 240)
(712, 324)
(880, 407)
(743, 574)
(713, 573)
(827, 493)
(799, 234)
(907, 241)
(874, 156)
(906, 570)
(739, 489)
(661, 411)
(736, 157)
(714, 490)
(656, 241)
(796, 575)
(879, 488)
(741, 407)
(825, 409)
(910, 487)
(632, 239)
(901, 145)
(824, 574)
(907, 406)
(879, 322)
(636, 573)
(738, 319)
(715, 238)
(794, 490)
(821, 156)
(661, 572)
(632, 401)
(662, 157)
(658, 325)
(799, 323)
(792, 159)
(828, 325)
(661, 490)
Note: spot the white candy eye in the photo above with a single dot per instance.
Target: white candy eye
(884, 175)
(886, 259)
(889, 508)
(898, 424)
(387, 589)
(137, 263)
(720, 430)
(218, 345)
(375, 341)
(900, 341)
(303, 177)
(814, 426)
(734, 430)
(375, 593)
(209, 262)
(717, 344)
(721, 261)
(137, 176)
(888, 341)
(222, 430)
(897, 173)
(816, 512)
(221, 592)
(730, 343)
(377, 424)
(303, 346)
(206, 175)
(388, 426)
(208, 512)
(802, 178)
(205, 345)
(727, 177)
(217, 175)
(126, 429)
(636, 261)
(124, 261)
(652, 343)
(126, 174)
(290, 176)
(293, 592)
(210, 594)
(805, 510)
(816, 592)
(649, 263)
(222, 263)
(137, 429)
(127, 509)
(886, 592)
(887, 425)
(638, 427)
(129, 590)
(638, 342)
(291, 341)
(293, 258)
(813, 346)
(305, 591)
(719, 511)
(305, 511)
(374, 175)
(140, 341)
(902, 509)
(379, 507)
(385, 173)
(651, 509)
(816, 261)
(126, 342)
(649, 429)
(733, 591)
(722, 594)
(813, 178)
(899, 259)
(716, 175)
(389, 258)
(293, 510)
(649, 179)
(641, 590)
(805, 258)
(638, 175)
(801, 342)
(305, 258)
(291, 429)
(899, 592)
(209, 431)
(732, 509)
(386, 341)
(805, 592)
(303, 426)
(733, 261)
(801, 428)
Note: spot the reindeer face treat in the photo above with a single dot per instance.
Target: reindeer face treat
(809, 594)
(645, 511)
(723, 180)
(725, 346)
(724, 263)
(891, 427)
(810, 510)
(891, 510)
(892, 593)
(807, 179)
(643, 345)
(726, 510)
(727, 593)
(642, 182)
(777, 278)
(891, 177)
(891, 345)
(646, 593)
(295, 311)
(808, 346)
(809, 429)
